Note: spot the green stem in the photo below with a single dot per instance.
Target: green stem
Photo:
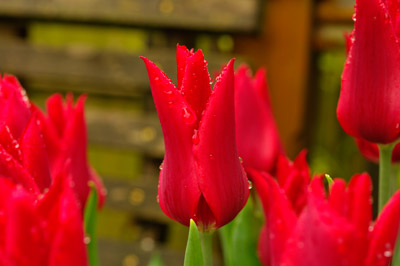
(385, 164)
(206, 246)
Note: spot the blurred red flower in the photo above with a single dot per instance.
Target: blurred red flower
(257, 136)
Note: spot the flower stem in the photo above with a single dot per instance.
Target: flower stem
(385, 164)
(206, 245)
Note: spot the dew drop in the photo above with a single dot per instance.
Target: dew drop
(156, 78)
(354, 17)
(195, 137)
(211, 156)
(86, 240)
(168, 92)
(158, 199)
(387, 253)
(250, 185)
(187, 115)
(161, 166)
(240, 159)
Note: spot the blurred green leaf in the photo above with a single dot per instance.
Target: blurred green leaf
(155, 260)
(240, 237)
(245, 237)
(193, 254)
(90, 220)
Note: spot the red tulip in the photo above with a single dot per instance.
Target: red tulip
(201, 177)
(65, 135)
(330, 230)
(257, 136)
(371, 151)
(44, 231)
(367, 106)
(35, 148)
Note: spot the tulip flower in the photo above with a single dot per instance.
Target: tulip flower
(330, 230)
(201, 176)
(35, 148)
(371, 151)
(65, 135)
(257, 136)
(367, 107)
(41, 231)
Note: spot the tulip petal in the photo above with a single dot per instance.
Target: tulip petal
(321, 237)
(384, 234)
(12, 169)
(34, 155)
(68, 247)
(25, 244)
(257, 136)
(338, 198)
(182, 53)
(280, 219)
(56, 113)
(196, 87)
(178, 189)
(371, 77)
(216, 155)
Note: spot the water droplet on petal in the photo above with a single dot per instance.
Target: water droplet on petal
(195, 137)
(387, 253)
(250, 185)
(211, 156)
(188, 116)
(158, 199)
(161, 166)
(86, 240)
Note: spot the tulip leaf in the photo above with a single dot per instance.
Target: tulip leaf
(155, 260)
(90, 220)
(193, 254)
(245, 237)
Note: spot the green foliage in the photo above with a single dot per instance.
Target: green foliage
(155, 260)
(193, 254)
(240, 237)
(90, 220)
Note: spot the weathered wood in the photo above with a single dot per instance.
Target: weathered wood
(91, 71)
(126, 131)
(139, 198)
(211, 15)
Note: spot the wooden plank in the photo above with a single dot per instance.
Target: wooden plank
(126, 131)
(91, 71)
(140, 198)
(211, 15)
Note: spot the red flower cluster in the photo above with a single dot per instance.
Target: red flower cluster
(44, 179)
(307, 226)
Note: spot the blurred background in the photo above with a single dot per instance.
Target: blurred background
(92, 46)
